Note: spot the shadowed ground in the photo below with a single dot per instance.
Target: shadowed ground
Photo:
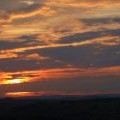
(60, 109)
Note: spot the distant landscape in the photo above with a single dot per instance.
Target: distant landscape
(104, 107)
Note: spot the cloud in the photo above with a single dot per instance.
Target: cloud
(79, 86)
(59, 73)
(91, 36)
(28, 2)
(35, 56)
(66, 93)
(40, 11)
(60, 42)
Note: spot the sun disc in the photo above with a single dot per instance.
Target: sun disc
(15, 81)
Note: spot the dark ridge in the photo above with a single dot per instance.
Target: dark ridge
(61, 108)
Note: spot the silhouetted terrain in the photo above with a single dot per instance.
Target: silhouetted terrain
(60, 109)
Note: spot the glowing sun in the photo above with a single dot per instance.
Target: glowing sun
(15, 81)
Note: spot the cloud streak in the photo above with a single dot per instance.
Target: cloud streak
(57, 40)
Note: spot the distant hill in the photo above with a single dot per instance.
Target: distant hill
(101, 107)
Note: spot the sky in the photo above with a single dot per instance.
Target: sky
(59, 47)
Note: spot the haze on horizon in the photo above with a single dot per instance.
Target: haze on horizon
(59, 47)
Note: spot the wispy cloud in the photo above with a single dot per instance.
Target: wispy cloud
(59, 39)
(58, 73)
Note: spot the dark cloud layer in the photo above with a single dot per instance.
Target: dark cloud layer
(89, 35)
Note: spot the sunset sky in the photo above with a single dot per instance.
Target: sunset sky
(59, 47)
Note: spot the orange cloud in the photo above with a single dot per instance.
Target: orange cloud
(60, 73)
(82, 3)
(58, 22)
(66, 93)
(35, 56)
(44, 11)
(7, 54)
(108, 40)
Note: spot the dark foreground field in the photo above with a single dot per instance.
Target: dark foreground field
(60, 109)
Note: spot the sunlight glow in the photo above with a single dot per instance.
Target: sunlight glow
(16, 81)
(18, 94)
